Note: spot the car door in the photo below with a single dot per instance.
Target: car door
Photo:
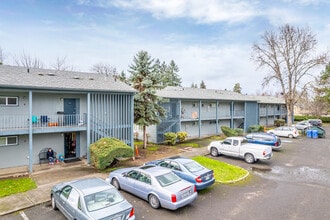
(129, 180)
(235, 148)
(72, 203)
(142, 186)
(62, 205)
(225, 147)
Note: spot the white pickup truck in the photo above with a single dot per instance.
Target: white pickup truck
(239, 147)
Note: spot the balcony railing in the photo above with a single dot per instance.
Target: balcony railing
(11, 122)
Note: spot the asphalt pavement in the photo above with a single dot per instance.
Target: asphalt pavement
(46, 176)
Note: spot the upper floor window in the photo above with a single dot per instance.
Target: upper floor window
(8, 101)
(9, 140)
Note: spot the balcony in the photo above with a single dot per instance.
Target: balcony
(19, 124)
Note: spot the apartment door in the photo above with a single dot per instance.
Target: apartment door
(70, 145)
(70, 112)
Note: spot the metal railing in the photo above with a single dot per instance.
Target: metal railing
(9, 122)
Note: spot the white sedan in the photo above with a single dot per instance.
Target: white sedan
(285, 131)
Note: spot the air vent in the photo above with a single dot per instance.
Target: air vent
(91, 78)
(76, 77)
(51, 74)
(40, 74)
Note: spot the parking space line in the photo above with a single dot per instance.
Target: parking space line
(23, 215)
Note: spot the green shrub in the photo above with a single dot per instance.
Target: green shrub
(170, 138)
(279, 122)
(182, 136)
(255, 128)
(104, 151)
(228, 131)
(239, 131)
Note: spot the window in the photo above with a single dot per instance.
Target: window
(9, 140)
(8, 101)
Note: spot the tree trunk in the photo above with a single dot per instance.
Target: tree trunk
(144, 137)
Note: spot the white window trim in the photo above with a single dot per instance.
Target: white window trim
(6, 100)
(6, 141)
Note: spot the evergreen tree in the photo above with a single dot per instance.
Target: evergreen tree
(193, 85)
(171, 75)
(202, 85)
(237, 88)
(145, 78)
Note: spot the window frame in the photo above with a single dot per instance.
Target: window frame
(6, 141)
(6, 101)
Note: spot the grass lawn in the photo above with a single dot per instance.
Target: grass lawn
(223, 172)
(16, 185)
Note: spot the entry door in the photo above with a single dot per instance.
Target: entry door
(70, 112)
(70, 145)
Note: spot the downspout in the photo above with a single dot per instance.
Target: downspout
(232, 115)
(217, 117)
(30, 134)
(88, 126)
(199, 118)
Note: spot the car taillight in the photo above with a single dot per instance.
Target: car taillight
(195, 189)
(199, 179)
(173, 198)
(276, 144)
(131, 214)
(264, 153)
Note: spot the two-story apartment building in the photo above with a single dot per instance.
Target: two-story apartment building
(201, 112)
(67, 111)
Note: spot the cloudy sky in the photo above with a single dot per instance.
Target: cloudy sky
(209, 40)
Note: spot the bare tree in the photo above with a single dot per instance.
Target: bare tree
(288, 57)
(28, 61)
(61, 65)
(105, 69)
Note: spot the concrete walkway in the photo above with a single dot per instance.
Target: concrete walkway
(46, 176)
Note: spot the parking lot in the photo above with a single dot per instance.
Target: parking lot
(294, 184)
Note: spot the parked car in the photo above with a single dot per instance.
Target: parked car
(189, 170)
(91, 198)
(239, 147)
(320, 131)
(285, 131)
(315, 122)
(302, 125)
(157, 185)
(265, 138)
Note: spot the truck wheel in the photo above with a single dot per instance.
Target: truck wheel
(214, 152)
(249, 158)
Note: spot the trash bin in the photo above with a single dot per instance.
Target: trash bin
(309, 133)
(315, 133)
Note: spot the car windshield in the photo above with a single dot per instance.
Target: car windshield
(102, 199)
(167, 179)
(193, 166)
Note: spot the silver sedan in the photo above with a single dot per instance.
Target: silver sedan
(157, 185)
(90, 198)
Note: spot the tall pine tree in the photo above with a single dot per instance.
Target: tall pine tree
(146, 79)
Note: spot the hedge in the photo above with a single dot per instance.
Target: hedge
(104, 151)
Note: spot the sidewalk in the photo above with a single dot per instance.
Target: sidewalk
(46, 176)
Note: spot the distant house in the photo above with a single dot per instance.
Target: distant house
(201, 112)
(67, 111)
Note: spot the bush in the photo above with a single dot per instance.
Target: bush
(279, 122)
(228, 131)
(104, 152)
(170, 138)
(239, 131)
(255, 128)
(182, 136)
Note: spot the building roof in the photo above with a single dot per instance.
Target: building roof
(213, 94)
(14, 77)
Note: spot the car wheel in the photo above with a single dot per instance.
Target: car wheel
(154, 201)
(290, 136)
(249, 158)
(53, 203)
(214, 152)
(115, 183)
